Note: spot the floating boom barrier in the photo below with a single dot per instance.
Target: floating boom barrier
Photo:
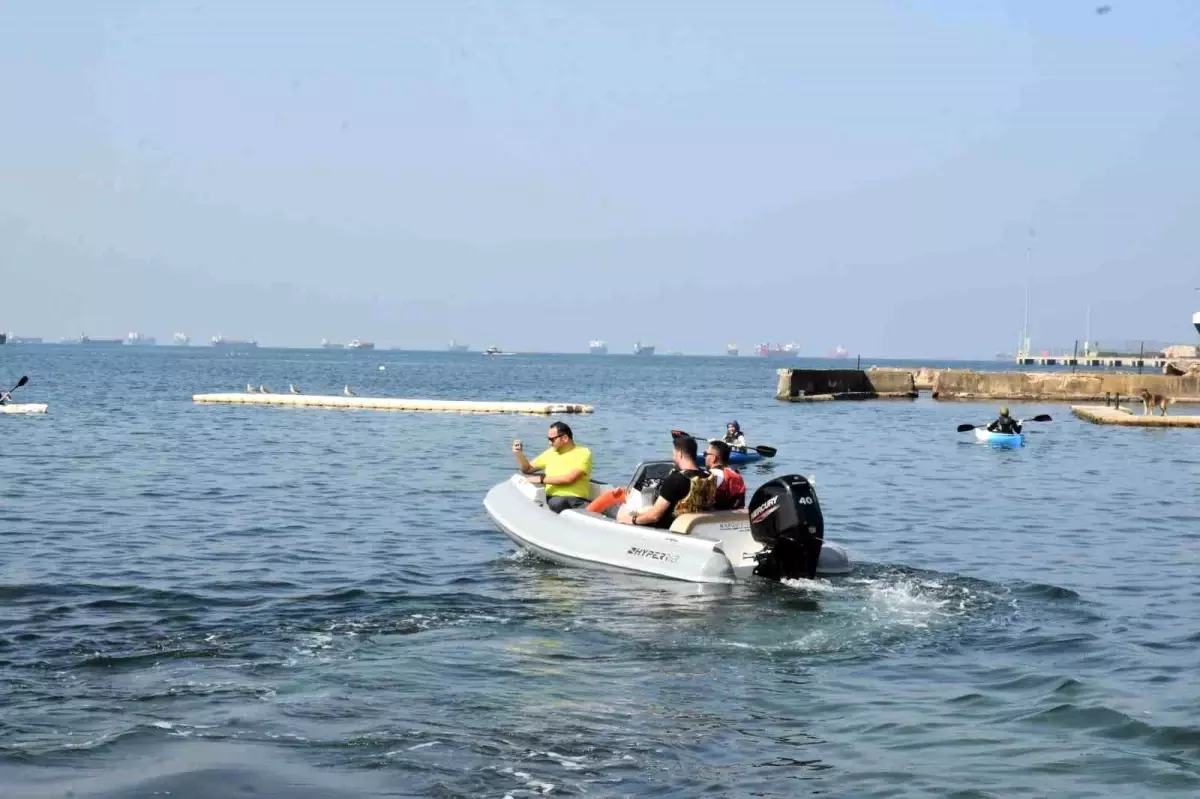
(390, 404)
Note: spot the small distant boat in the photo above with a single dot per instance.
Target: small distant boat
(731, 349)
(326, 344)
(3, 338)
(643, 349)
(840, 352)
(233, 343)
(598, 347)
(495, 351)
(181, 339)
(456, 347)
(358, 344)
(138, 340)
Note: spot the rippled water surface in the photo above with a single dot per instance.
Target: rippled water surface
(209, 600)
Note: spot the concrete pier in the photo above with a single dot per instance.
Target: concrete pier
(390, 404)
(818, 385)
(962, 384)
(1099, 414)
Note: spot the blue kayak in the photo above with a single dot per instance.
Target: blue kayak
(1000, 439)
(749, 456)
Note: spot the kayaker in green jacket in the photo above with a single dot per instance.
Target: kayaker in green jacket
(1004, 424)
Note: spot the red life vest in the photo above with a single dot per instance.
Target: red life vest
(731, 494)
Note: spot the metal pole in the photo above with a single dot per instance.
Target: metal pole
(1141, 356)
(1075, 356)
(858, 362)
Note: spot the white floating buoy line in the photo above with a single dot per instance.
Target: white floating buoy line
(350, 400)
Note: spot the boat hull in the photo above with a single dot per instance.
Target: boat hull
(749, 456)
(25, 407)
(1009, 440)
(718, 552)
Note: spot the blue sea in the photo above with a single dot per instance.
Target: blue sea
(214, 601)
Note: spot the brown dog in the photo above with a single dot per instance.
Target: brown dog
(1154, 401)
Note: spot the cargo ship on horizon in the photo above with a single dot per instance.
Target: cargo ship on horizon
(21, 339)
(138, 340)
(456, 347)
(233, 343)
(643, 349)
(361, 345)
(181, 339)
(87, 341)
(326, 344)
(731, 349)
(597, 347)
(789, 350)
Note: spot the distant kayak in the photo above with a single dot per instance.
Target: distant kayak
(1000, 439)
(25, 407)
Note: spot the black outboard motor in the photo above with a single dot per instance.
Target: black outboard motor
(785, 518)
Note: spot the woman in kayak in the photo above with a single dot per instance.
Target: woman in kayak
(1004, 424)
(734, 436)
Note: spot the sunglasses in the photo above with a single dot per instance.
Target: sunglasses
(552, 439)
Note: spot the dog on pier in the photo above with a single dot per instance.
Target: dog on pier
(1158, 401)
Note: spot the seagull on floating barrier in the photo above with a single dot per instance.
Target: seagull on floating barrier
(263, 390)
(251, 389)
(346, 390)
(292, 389)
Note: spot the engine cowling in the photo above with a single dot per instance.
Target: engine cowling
(785, 517)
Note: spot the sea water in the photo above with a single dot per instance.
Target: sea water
(204, 600)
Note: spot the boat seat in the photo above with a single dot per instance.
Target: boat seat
(684, 523)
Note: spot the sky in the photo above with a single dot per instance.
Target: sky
(888, 176)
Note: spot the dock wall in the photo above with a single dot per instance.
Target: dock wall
(809, 385)
(961, 384)
(1098, 414)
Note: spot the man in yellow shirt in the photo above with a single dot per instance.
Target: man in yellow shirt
(567, 467)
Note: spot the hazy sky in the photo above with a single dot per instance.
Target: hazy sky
(536, 174)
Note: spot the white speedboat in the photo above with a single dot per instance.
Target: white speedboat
(785, 539)
(24, 407)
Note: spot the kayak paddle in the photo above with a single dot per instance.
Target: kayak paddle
(24, 379)
(765, 451)
(1041, 417)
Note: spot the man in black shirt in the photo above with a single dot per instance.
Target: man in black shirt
(686, 481)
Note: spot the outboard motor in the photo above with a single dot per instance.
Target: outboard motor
(785, 518)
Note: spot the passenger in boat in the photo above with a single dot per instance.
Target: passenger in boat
(4, 397)
(689, 488)
(567, 469)
(731, 488)
(1004, 424)
(734, 436)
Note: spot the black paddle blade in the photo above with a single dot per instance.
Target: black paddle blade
(766, 452)
(681, 434)
(1041, 417)
(24, 379)
(962, 428)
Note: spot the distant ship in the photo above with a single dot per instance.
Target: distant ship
(181, 339)
(495, 351)
(731, 349)
(361, 345)
(233, 343)
(326, 344)
(23, 339)
(138, 340)
(3, 337)
(839, 352)
(1196, 321)
(597, 347)
(456, 347)
(643, 349)
(779, 350)
(86, 341)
